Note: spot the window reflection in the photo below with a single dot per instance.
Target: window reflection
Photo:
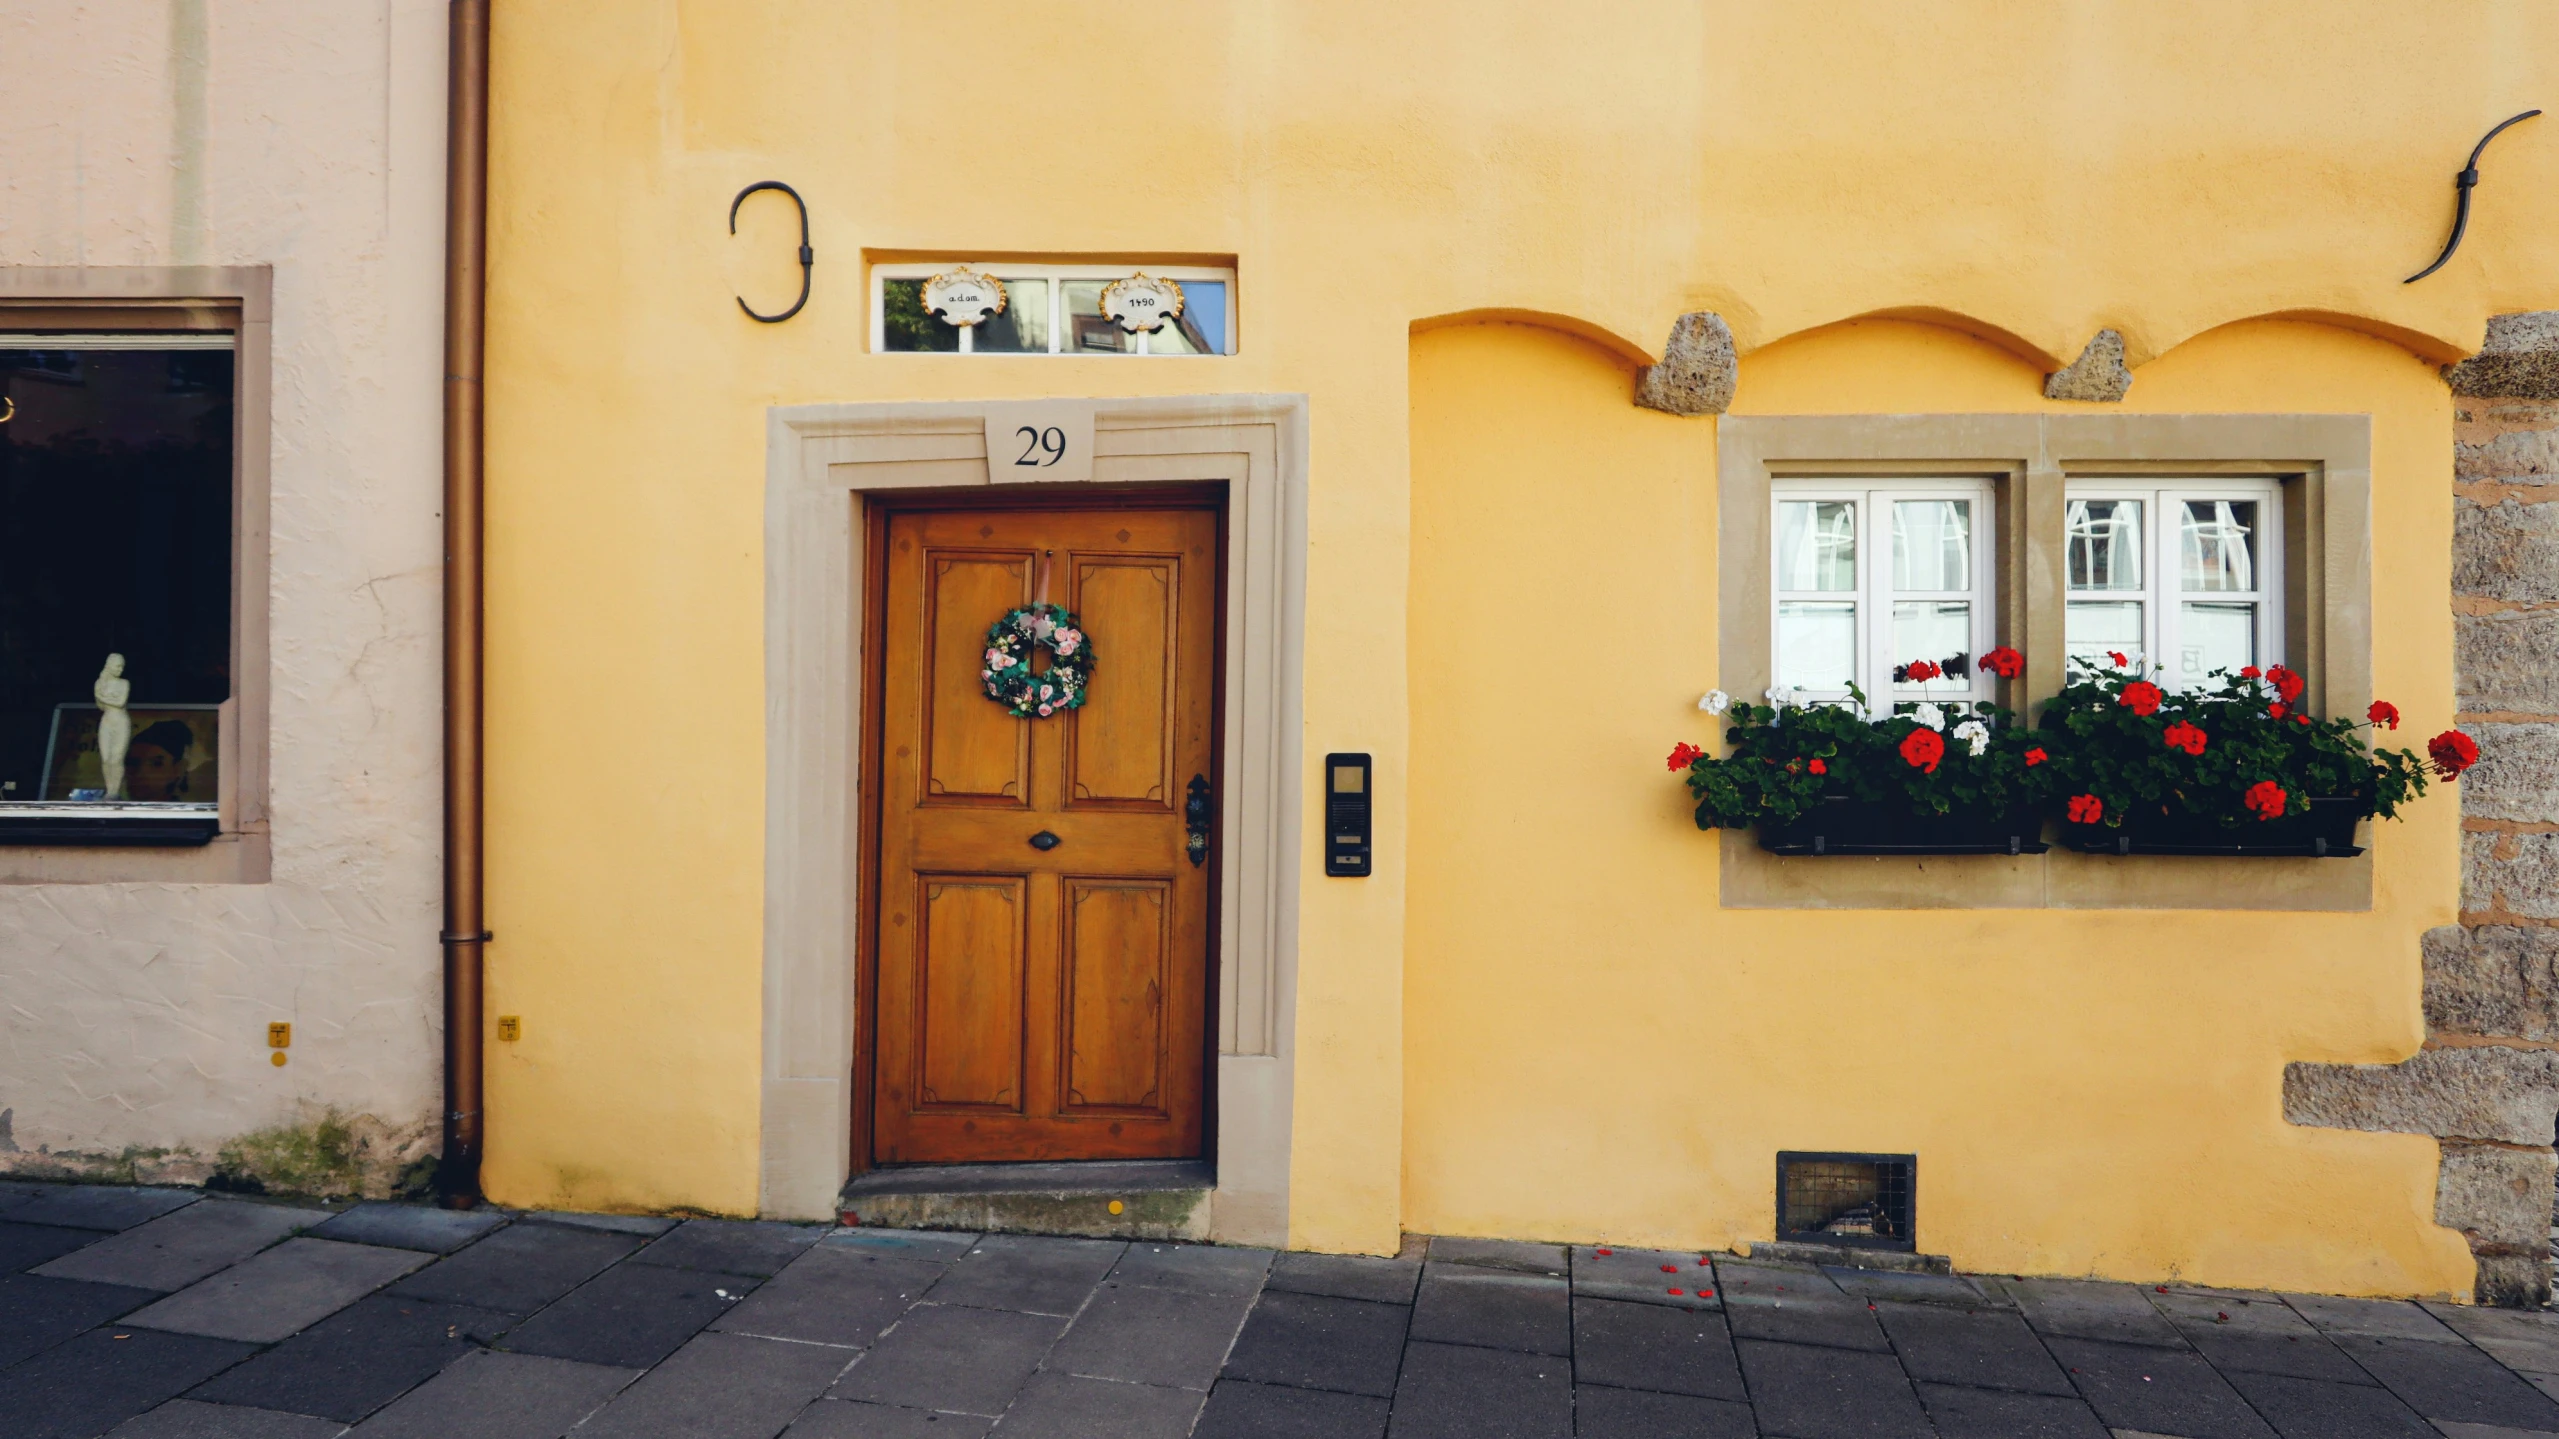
(1817, 545)
(2217, 549)
(1932, 545)
(1088, 331)
(2105, 544)
(1022, 328)
(1932, 630)
(1816, 644)
(906, 326)
(2215, 637)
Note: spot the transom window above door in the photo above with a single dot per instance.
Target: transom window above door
(1886, 585)
(1051, 310)
(2180, 575)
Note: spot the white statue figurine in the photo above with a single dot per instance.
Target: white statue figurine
(115, 726)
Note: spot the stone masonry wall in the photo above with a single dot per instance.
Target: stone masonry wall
(2487, 1082)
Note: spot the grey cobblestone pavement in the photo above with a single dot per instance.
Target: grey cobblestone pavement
(165, 1314)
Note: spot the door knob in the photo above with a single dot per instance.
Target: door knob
(1195, 812)
(1045, 841)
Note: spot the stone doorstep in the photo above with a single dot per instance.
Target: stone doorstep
(1849, 1256)
(1101, 1199)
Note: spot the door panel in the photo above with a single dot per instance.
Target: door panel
(971, 997)
(1122, 745)
(1116, 951)
(1043, 1001)
(979, 752)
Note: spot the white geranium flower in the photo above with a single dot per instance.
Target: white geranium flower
(1715, 702)
(1930, 716)
(1975, 733)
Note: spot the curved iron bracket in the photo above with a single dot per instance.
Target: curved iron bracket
(808, 257)
(2462, 185)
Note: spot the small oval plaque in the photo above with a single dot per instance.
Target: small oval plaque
(1045, 841)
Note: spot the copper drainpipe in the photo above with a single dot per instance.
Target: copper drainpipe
(466, 204)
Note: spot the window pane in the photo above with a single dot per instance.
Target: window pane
(2091, 628)
(1816, 545)
(1932, 545)
(1201, 330)
(115, 597)
(2105, 544)
(1087, 332)
(1937, 630)
(905, 326)
(2218, 545)
(1022, 328)
(1816, 645)
(2215, 637)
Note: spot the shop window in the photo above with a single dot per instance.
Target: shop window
(117, 477)
(2181, 576)
(1887, 585)
(1051, 310)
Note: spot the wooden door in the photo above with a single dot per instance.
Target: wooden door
(1043, 1001)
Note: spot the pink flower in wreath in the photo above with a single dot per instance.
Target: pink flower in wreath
(1066, 642)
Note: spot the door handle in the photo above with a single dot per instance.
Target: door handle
(1195, 813)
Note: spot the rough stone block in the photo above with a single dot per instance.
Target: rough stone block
(2517, 776)
(2516, 873)
(2506, 551)
(2520, 357)
(2498, 1198)
(1698, 370)
(2513, 1281)
(2099, 375)
(2515, 457)
(2507, 661)
(2500, 980)
(2509, 1096)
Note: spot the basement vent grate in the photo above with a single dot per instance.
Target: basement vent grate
(1866, 1200)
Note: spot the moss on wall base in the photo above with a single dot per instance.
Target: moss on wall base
(324, 1154)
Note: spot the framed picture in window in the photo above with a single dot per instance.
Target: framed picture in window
(174, 756)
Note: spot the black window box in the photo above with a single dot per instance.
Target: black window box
(104, 824)
(2327, 832)
(1842, 825)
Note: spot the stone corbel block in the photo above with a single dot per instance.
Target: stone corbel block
(2098, 376)
(2484, 1093)
(1698, 370)
(2520, 359)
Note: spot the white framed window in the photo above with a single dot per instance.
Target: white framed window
(1872, 576)
(1051, 310)
(2182, 574)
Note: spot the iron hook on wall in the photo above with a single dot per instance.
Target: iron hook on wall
(808, 257)
(2462, 185)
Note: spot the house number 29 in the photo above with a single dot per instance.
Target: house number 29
(1042, 446)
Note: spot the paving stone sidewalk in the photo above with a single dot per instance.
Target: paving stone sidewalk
(168, 1314)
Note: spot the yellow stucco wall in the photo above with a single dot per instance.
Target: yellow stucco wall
(2032, 173)
(1594, 1050)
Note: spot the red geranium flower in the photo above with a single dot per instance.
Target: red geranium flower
(1921, 749)
(2142, 696)
(2452, 751)
(2004, 662)
(1685, 755)
(2086, 809)
(2277, 709)
(2286, 683)
(1818, 767)
(2249, 672)
(1922, 671)
(2118, 657)
(2299, 718)
(2384, 714)
(2184, 736)
(2266, 798)
(2036, 756)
